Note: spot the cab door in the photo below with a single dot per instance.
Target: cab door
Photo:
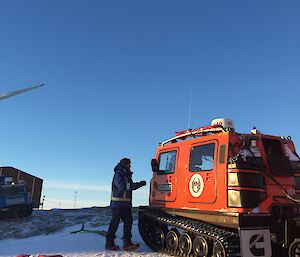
(202, 172)
(164, 180)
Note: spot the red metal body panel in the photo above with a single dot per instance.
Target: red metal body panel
(214, 191)
(214, 196)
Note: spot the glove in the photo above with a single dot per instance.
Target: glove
(142, 183)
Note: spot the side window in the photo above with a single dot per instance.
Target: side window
(202, 157)
(167, 162)
(272, 147)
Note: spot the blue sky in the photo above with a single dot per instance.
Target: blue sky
(118, 77)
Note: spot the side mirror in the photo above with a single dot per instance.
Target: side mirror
(154, 165)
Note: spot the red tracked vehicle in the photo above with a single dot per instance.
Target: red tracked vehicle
(216, 192)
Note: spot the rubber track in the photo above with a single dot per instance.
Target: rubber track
(148, 220)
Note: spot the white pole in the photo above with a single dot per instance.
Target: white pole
(75, 199)
(13, 93)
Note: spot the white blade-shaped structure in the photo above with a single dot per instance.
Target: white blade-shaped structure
(13, 93)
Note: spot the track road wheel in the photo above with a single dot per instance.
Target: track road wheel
(218, 250)
(200, 247)
(185, 243)
(294, 250)
(26, 211)
(159, 237)
(172, 239)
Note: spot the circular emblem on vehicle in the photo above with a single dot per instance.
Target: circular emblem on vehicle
(196, 185)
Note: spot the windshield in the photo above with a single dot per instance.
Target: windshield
(10, 190)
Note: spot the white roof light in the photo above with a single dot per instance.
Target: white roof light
(226, 123)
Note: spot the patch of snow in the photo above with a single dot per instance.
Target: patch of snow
(49, 232)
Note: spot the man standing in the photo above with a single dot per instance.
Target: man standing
(121, 203)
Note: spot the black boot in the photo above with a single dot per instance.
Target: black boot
(110, 244)
(128, 245)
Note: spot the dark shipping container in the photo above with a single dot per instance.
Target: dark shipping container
(34, 184)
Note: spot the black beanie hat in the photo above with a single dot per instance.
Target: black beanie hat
(124, 162)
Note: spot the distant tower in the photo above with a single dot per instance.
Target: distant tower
(75, 199)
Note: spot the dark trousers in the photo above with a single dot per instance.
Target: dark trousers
(126, 216)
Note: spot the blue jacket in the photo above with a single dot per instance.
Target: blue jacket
(121, 188)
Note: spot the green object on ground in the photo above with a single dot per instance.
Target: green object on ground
(99, 232)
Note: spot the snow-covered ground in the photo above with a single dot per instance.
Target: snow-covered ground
(49, 232)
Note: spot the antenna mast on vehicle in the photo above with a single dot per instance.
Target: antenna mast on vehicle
(190, 107)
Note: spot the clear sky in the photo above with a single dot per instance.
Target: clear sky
(118, 78)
